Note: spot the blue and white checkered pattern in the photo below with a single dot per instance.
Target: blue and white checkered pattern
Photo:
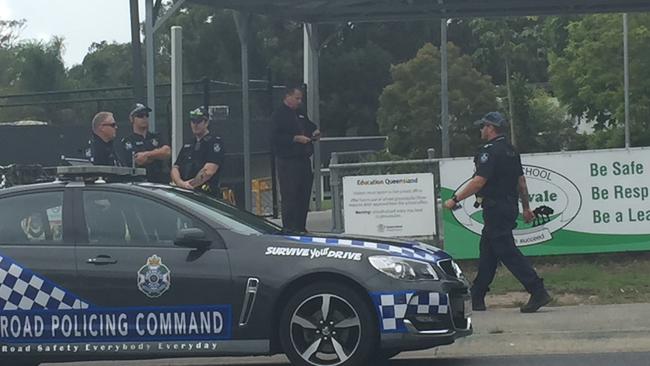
(414, 253)
(394, 307)
(22, 289)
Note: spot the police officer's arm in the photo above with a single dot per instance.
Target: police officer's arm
(204, 175)
(283, 133)
(471, 188)
(145, 157)
(213, 160)
(485, 167)
(176, 174)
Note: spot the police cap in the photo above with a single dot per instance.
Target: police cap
(492, 118)
(139, 110)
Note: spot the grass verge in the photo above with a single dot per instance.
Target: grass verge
(572, 280)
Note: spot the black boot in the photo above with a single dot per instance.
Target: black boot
(537, 300)
(478, 300)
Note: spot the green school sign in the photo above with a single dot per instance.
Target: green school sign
(588, 202)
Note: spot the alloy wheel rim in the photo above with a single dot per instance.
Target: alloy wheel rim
(325, 330)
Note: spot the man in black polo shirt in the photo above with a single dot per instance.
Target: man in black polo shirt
(100, 150)
(292, 140)
(499, 180)
(200, 161)
(145, 149)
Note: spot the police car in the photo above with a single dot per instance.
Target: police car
(95, 267)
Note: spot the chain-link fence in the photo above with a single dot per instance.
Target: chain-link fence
(371, 163)
(60, 125)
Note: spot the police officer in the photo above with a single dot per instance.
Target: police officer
(199, 162)
(293, 134)
(101, 150)
(145, 149)
(499, 180)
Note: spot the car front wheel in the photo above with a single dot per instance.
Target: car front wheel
(327, 324)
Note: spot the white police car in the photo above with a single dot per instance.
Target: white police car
(101, 271)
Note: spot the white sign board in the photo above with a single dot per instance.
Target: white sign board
(397, 205)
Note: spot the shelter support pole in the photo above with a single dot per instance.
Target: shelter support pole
(626, 81)
(138, 80)
(177, 90)
(149, 47)
(444, 89)
(311, 78)
(243, 20)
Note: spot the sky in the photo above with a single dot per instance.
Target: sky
(79, 22)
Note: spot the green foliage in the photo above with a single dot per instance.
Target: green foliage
(351, 84)
(9, 31)
(588, 74)
(517, 40)
(409, 111)
(99, 68)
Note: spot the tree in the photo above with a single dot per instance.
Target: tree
(588, 74)
(409, 111)
(9, 31)
(100, 69)
(511, 40)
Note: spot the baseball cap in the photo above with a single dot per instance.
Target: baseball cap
(493, 118)
(198, 114)
(139, 108)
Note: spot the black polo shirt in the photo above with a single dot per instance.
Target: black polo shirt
(288, 123)
(135, 143)
(194, 155)
(100, 152)
(499, 163)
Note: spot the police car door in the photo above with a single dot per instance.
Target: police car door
(174, 296)
(37, 267)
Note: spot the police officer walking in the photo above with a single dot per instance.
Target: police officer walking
(101, 150)
(145, 149)
(499, 181)
(293, 134)
(199, 162)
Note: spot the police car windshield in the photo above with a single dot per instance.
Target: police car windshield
(237, 220)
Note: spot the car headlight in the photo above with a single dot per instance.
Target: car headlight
(402, 268)
(456, 267)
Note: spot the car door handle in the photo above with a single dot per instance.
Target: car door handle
(102, 259)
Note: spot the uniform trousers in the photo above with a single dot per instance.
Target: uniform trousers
(498, 244)
(296, 179)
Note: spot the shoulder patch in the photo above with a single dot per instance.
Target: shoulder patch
(216, 147)
(154, 142)
(128, 145)
(484, 157)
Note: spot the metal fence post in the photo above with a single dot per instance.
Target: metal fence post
(336, 195)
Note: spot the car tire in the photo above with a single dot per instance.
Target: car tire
(346, 336)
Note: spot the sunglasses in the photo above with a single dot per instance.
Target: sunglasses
(112, 125)
(141, 115)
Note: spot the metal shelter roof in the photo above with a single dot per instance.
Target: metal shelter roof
(325, 11)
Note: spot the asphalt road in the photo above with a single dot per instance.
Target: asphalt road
(591, 359)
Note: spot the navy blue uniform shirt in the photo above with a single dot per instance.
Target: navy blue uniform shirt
(499, 163)
(100, 152)
(136, 143)
(288, 123)
(194, 155)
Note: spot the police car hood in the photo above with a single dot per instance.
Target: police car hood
(401, 248)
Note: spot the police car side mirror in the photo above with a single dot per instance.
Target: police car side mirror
(192, 238)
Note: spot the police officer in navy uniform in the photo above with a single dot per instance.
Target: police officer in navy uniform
(499, 182)
(101, 150)
(199, 163)
(145, 149)
(292, 140)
